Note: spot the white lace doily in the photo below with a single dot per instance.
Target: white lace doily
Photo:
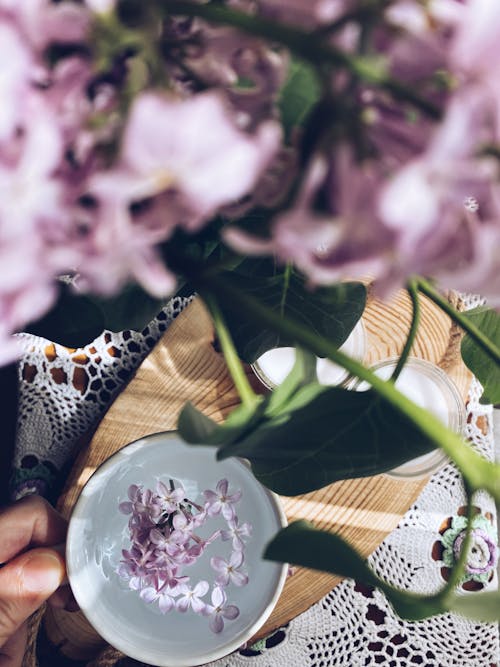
(63, 394)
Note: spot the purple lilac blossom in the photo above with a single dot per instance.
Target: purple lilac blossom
(163, 527)
(219, 610)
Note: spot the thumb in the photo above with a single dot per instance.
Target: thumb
(25, 583)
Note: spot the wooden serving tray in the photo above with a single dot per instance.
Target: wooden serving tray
(185, 366)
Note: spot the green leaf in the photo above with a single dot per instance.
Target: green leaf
(325, 434)
(194, 426)
(488, 321)
(298, 95)
(302, 374)
(74, 321)
(331, 312)
(302, 544)
(479, 606)
(198, 429)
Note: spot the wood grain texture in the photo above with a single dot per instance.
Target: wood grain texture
(185, 366)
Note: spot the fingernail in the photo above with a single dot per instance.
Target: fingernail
(42, 572)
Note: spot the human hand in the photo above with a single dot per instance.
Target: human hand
(31, 570)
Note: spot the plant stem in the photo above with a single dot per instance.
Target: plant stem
(477, 471)
(305, 45)
(462, 320)
(415, 320)
(459, 568)
(245, 391)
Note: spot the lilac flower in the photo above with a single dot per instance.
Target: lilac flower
(164, 595)
(236, 532)
(162, 152)
(169, 499)
(218, 610)
(171, 542)
(191, 597)
(229, 571)
(163, 541)
(219, 501)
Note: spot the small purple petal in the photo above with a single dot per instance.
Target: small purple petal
(126, 508)
(239, 579)
(216, 623)
(236, 559)
(148, 594)
(182, 604)
(166, 603)
(218, 597)
(197, 605)
(230, 612)
(218, 564)
(222, 487)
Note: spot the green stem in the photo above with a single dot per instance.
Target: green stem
(415, 320)
(459, 567)
(305, 45)
(245, 391)
(461, 319)
(477, 471)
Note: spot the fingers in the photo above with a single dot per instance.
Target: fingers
(25, 583)
(29, 522)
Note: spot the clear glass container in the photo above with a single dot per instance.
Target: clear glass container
(274, 365)
(431, 388)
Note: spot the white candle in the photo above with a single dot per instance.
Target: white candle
(274, 365)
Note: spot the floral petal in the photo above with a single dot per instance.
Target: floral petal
(231, 612)
(216, 623)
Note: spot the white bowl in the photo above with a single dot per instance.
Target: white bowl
(98, 532)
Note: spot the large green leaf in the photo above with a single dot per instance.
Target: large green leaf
(325, 434)
(487, 372)
(299, 94)
(331, 312)
(302, 544)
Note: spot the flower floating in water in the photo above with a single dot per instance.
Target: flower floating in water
(164, 533)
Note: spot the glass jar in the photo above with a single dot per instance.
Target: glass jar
(274, 365)
(431, 388)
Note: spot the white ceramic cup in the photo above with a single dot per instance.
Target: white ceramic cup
(98, 532)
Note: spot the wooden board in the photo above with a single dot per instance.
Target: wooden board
(185, 366)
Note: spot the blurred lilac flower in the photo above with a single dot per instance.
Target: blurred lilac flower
(162, 151)
(228, 572)
(219, 501)
(218, 610)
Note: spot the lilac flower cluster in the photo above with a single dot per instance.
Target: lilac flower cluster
(163, 529)
(122, 122)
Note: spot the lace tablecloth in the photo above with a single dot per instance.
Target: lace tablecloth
(63, 394)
